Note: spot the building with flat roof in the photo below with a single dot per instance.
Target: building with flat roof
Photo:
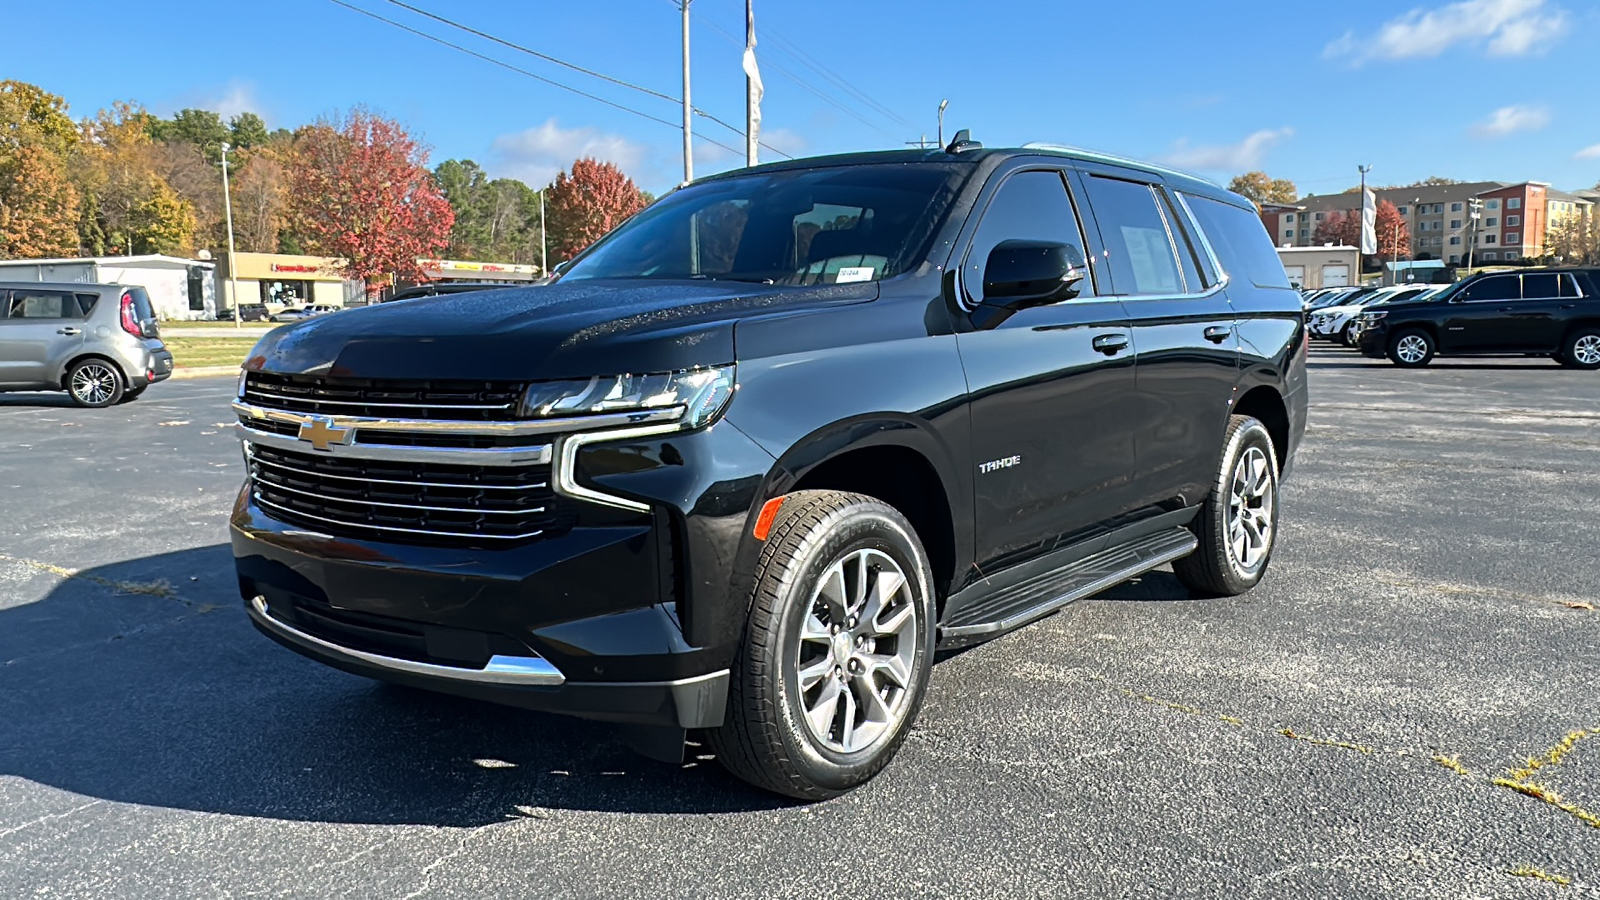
(1310, 268)
(178, 288)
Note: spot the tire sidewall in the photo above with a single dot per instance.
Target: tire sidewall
(1251, 434)
(1568, 357)
(860, 527)
(118, 382)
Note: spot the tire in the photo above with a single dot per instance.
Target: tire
(94, 384)
(1243, 504)
(1345, 337)
(1581, 349)
(1412, 348)
(799, 678)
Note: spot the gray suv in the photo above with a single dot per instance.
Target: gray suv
(97, 342)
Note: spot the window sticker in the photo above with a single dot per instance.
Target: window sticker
(854, 273)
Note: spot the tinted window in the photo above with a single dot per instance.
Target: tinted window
(1237, 237)
(35, 304)
(86, 302)
(1569, 287)
(1030, 206)
(1499, 287)
(1189, 252)
(1135, 235)
(1543, 286)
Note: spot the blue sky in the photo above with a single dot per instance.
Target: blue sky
(1482, 89)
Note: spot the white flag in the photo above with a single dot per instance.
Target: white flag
(1369, 222)
(753, 87)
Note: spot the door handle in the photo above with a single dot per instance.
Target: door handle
(1216, 334)
(1111, 344)
(69, 331)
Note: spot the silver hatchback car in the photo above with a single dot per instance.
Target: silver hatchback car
(97, 342)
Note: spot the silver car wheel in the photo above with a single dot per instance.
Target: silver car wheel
(1411, 348)
(1586, 350)
(1250, 501)
(93, 383)
(858, 642)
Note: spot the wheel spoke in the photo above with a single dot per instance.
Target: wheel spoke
(895, 665)
(847, 721)
(825, 710)
(832, 593)
(859, 598)
(884, 589)
(810, 675)
(812, 628)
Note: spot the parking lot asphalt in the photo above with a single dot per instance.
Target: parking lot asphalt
(1338, 731)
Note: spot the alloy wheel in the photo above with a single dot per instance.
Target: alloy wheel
(1586, 350)
(94, 383)
(1250, 502)
(858, 642)
(1411, 348)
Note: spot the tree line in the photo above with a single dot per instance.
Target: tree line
(354, 186)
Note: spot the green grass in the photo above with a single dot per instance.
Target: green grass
(206, 323)
(194, 352)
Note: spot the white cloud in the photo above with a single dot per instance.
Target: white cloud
(784, 139)
(238, 98)
(1588, 153)
(1507, 27)
(537, 154)
(1512, 119)
(1246, 154)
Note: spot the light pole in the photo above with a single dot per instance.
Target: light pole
(227, 204)
(688, 151)
(544, 245)
(942, 105)
(1472, 239)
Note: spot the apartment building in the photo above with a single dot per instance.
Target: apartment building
(1513, 223)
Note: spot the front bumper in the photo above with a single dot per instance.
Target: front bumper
(1373, 340)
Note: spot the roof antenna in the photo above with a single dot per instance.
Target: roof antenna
(962, 142)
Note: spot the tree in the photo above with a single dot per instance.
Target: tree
(246, 130)
(1338, 228)
(1394, 236)
(1434, 181)
(261, 197)
(359, 190)
(1261, 188)
(129, 206)
(200, 127)
(29, 115)
(38, 205)
(587, 203)
(1573, 240)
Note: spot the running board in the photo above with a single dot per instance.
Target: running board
(1038, 597)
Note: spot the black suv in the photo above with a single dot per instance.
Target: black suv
(760, 452)
(1550, 312)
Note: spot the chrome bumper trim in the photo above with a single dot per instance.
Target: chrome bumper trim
(512, 670)
(458, 456)
(518, 428)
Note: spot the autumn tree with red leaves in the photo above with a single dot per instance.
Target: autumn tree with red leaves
(360, 190)
(581, 207)
(1339, 229)
(1394, 235)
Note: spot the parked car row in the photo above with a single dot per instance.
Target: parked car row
(1549, 312)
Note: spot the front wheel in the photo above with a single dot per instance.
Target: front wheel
(1412, 349)
(1581, 349)
(94, 383)
(837, 652)
(1238, 525)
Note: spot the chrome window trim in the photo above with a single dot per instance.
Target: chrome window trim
(511, 670)
(460, 456)
(517, 428)
(1205, 241)
(566, 468)
(255, 495)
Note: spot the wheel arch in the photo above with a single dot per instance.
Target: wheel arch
(1266, 404)
(66, 368)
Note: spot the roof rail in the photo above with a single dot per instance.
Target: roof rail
(1098, 156)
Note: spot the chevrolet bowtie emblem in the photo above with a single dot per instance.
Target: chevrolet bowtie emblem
(323, 434)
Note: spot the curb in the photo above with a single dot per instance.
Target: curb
(205, 372)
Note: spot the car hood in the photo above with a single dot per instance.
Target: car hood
(564, 330)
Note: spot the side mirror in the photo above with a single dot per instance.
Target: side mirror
(1024, 274)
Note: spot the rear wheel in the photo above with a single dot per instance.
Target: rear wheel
(1581, 349)
(1238, 526)
(94, 383)
(837, 652)
(1411, 348)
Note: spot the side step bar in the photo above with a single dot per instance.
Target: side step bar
(1018, 605)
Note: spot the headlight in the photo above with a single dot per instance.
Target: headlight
(1374, 316)
(701, 392)
(239, 394)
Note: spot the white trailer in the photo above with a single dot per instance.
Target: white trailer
(178, 288)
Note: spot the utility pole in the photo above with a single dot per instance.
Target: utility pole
(227, 205)
(921, 144)
(1476, 206)
(688, 109)
(942, 105)
(544, 245)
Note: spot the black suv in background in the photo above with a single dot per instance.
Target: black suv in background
(757, 454)
(1552, 312)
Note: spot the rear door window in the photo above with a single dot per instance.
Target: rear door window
(1240, 241)
(1541, 286)
(37, 304)
(1136, 236)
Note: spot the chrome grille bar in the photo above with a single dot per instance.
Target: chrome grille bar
(439, 484)
(291, 511)
(531, 511)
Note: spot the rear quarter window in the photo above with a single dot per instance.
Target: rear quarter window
(1240, 242)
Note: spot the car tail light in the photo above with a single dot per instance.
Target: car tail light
(130, 323)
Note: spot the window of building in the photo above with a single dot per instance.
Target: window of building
(1455, 260)
(1305, 232)
(1513, 237)
(1455, 207)
(1455, 240)
(1489, 255)
(286, 293)
(1404, 210)
(1438, 209)
(1319, 217)
(1288, 217)
(1288, 233)
(1511, 254)
(1513, 221)
(1490, 239)
(1514, 203)
(1492, 222)
(1493, 204)
(1454, 224)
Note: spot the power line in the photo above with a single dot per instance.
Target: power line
(521, 71)
(825, 71)
(573, 66)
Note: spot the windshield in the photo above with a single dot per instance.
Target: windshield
(803, 226)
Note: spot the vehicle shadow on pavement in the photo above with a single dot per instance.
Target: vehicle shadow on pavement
(143, 682)
(55, 399)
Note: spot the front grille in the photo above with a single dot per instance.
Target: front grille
(482, 401)
(428, 503)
